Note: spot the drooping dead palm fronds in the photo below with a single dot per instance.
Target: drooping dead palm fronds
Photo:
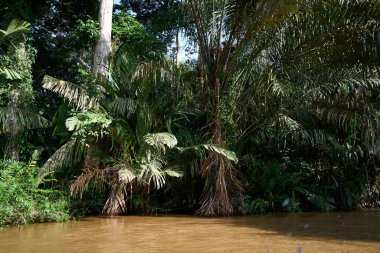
(218, 196)
(101, 179)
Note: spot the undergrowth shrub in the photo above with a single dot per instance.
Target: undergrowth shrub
(23, 200)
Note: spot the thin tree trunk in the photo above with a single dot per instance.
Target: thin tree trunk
(223, 185)
(201, 77)
(13, 132)
(177, 49)
(103, 46)
(12, 151)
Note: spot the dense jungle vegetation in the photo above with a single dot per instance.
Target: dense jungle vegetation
(271, 106)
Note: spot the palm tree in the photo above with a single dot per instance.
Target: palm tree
(224, 30)
(274, 63)
(300, 84)
(122, 113)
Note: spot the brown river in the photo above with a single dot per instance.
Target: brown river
(307, 232)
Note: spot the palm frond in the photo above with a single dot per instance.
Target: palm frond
(152, 71)
(98, 177)
(125, 174)
(151, 171)
(67, 155)
(173, 171)
(124, 63)
(13, 118)
(74, 94)
(123, 106)
(160, 140)
(199, 151)
(10, 74)
(15, 29)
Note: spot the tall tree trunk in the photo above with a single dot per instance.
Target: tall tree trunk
(101, 66)
(103, 46)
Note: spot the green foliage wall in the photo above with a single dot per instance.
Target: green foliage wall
(22, 198)
(291, 89)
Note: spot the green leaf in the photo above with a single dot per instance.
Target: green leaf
(10, 74)
(173, 173)
(199, 151)
(126, 175)
(15, 29)
(160, 140)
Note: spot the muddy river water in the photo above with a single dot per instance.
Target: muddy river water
(306, 232)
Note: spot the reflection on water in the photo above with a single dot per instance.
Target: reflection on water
(308, 232)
